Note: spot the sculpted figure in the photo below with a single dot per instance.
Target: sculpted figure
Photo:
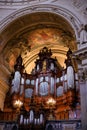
(83, 34)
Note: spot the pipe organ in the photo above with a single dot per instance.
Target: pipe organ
(47, 80)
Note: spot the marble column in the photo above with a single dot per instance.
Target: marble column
(81, 58)
(83, 96)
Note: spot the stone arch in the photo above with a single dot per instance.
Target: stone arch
(17, 22)
(17, 18)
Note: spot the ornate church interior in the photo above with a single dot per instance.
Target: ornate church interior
(43, 65)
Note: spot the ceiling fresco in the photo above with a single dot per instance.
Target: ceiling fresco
(49, 36)
(30, 43)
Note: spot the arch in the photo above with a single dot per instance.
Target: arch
(19, 17)
(30, 18)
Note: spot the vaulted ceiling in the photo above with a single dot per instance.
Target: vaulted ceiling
(33, 32)
(30, 32)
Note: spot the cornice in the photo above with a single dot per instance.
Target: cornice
(81, 53)
(81, 57)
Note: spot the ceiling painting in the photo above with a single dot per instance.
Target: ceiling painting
(30, 43)
(49, 36)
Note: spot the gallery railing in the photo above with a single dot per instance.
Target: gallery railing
(63, 125)
(49, 125)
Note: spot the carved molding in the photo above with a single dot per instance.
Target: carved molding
(67, 14)
(20, 2)
(80, 55)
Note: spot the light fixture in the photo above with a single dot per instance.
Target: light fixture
(51, 101)
(51, 104)
(17, 104)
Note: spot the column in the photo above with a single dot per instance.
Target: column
(83, 97)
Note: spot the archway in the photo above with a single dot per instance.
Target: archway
(15, 29)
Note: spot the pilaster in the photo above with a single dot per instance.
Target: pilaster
(81, 58)
(83, 97)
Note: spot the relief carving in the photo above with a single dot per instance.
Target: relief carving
(83, 34)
